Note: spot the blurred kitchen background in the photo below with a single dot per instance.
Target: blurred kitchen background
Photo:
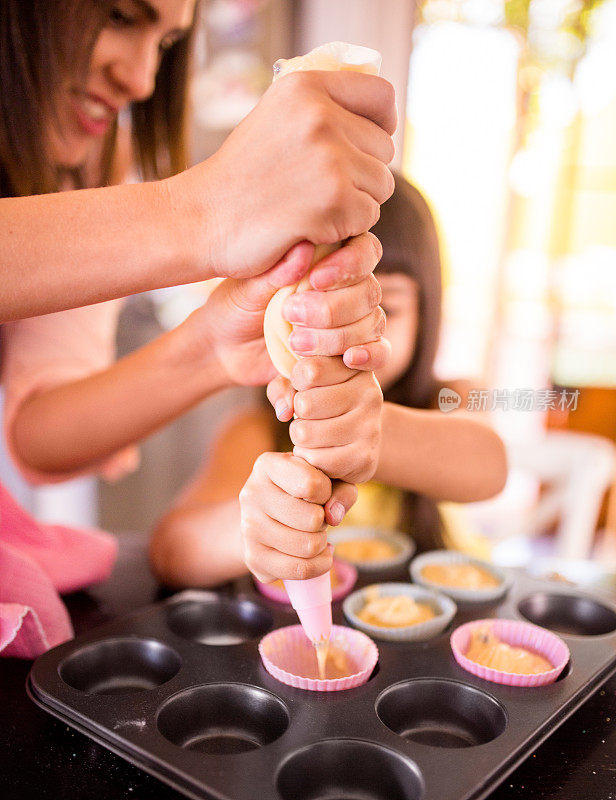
(508, 125)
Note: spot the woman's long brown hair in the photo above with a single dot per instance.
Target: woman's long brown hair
(41, 43)
(409, 238)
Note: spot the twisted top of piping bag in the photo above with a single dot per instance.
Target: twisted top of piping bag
(332, 56)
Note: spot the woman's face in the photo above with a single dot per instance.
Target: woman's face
(122, 69)
(401, 305)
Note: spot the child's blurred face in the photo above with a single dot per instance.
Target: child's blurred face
(122, 70)
(401, 305)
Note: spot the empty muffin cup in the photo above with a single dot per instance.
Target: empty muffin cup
(441, 713)
(425, 568)
(116, 666)
(348, 768)
(569, 614)
(343, 580)
(514, 633)
(223, 718)
(390, 548)
(290, 657)
(210, 619)
(443, 610)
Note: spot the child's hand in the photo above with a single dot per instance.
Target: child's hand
(284, 504)
(338, 410)
(344, 316)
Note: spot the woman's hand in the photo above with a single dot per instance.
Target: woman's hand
(284, 508)
(308, 163)
(338, 416)
(343, 317)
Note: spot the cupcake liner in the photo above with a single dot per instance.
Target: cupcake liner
(286, 651)
(444, 607)
(513, 632)
(458, 593)
(347, 577)
(404, 545)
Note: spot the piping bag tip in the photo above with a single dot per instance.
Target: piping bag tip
(317, 622)
(312, 600)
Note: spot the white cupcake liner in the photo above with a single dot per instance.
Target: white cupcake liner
(403, 544)
(458, 593)
(345, 571)
(517, 633)
(285, 650)
(444, 607)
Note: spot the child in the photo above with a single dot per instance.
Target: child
(235, 514)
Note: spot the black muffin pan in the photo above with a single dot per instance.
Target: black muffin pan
(178, 689)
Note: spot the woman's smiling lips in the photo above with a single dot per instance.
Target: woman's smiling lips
(93, 114)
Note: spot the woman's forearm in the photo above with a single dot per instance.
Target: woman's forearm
(200, 547)
(73, 426)
(76, 248)
(444, 457)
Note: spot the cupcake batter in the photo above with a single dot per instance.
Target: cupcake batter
(462, 576)
(489, 651)
(335, 663)
(365, 550)
(399, 611)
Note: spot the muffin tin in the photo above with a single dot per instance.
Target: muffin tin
(178, 689)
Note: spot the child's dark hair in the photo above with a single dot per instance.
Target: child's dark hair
(408, 235)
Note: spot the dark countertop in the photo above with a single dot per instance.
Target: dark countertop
(41, 757)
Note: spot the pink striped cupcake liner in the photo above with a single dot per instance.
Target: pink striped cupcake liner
(347, 577)
(288, 655)
(515, 633)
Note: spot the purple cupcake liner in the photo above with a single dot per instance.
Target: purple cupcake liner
(516, 633)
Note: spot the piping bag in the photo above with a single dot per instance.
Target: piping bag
(311, 598)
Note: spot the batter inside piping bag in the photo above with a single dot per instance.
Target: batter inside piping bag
(333, 56)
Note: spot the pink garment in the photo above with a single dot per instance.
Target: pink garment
(33, 618)
(36, 562)
(44, 352)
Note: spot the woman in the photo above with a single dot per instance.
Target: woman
(69, 67)
(56, 371)
(307, 164)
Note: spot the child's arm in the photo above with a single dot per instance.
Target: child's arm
(455, 456)
(60, 429)
(444, 456)
(198, 542)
